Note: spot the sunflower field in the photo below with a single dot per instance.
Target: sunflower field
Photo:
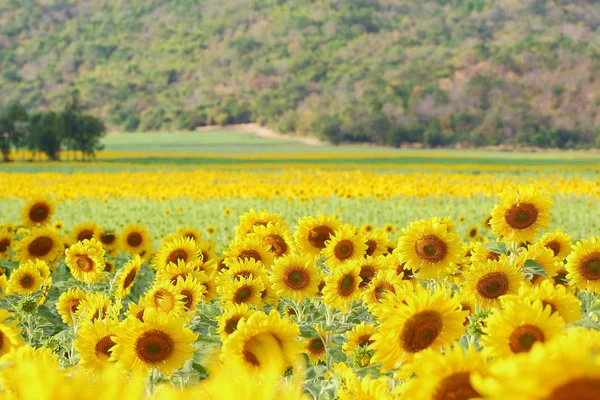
(305, 281)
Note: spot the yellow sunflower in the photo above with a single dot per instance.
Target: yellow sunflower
(253, 219)
(108, 238)
(296, 276)
(522, 212)
(389, 228)
(429, 249)
(9, 333)
(164, 297)
(135, 239)
(261, 340)
(467, 302)
(126, 276)
(68, 304)
(473, 233)
(6, 239)
(94, 343)
(312, 233)
(366, 388)
(243, 290)
(344, 246)
(93, 307)
(376, 242)
(190, 232)
(137, 310)
(315, 347)
(207, 250)
(385, 281)
(480, 253)
(84, 231)
(445, 375)
(359, 337)
(489, 281)
(583, 265)
(232, 315)
(244, 268)
(85, 260)
(277, 237)
(421, 320)
(179, 249)
(37, 211)
(210, 288)
(545, 257)
(558, 241)
(173, 271)
(517, 326)
(191, 290)
(341, 288)
(42, 243)
(367, 227)
(160, 342)
(26, 279)
(248, 247)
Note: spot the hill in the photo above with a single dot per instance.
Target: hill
(383, 71)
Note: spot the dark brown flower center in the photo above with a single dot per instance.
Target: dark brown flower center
(589, 267)
(153, 347)
(134, 239)
(4, 243)
(561, 277)
(371, 247)
(39, 212)
(84, 263)
(26, 281)
(297, 279)
(431, 248)
(104, 346)
(319, 235)
(188, 299)
(40, 246)
(73, 304)
(242, 294)
(521, 216)
(85, 234)
(316, 346)
(277, 245)
(584, 388)
(367, 273)
(554, 246)
(421, 330)
(108, 238)
(455, 387)
(246, 254)
(176, 255)
(231, 325)
(343, 250)
(364, 340)
(472, 232)
(492, 285)
(129, 278)
(346, 286)
(523, 338)
(380, 289)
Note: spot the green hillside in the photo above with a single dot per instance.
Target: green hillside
(384, 71)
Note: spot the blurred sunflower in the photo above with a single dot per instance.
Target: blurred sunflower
(277, 237)
(312, 233)
(85, 260)
(179, 249)
(583, 265)
(38, 210)
(126, 276)
(9, 332)
(26, 279)
(315, 347)
(135, 239)
(42, 243)
(94, 343)
(85, 231)
(296, 277)
(232, 314)
(68, 304)
(341, 288)
(558, 241)
(360, 336)
(93, 307)
(376, 242)
(6, 239)
(190, 232)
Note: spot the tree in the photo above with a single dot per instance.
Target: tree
(47, 133)
(13, 124)
(82, 132)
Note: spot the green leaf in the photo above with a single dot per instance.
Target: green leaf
(308, 332)
(199, 369)
(534, 268)
(46, 313)
(497, 247)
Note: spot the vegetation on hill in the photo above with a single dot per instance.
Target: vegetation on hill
(438, 72)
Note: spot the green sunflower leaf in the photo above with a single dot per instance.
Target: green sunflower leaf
(497, 247)
(534, 267)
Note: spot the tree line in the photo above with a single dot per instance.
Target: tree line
(51, 132)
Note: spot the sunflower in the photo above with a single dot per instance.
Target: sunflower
(249, 247)
(45, 290)
(473, 233)
(37, 211)
(312, 233)
(191, 290)
(341, 288)
(189, 232)
(68, 304)
(108, 238)
(385, 281)
(296, 276)
(558, 241)
(94, 343)
(315, 347)
(173, 271)
(86, 260)
(41, 243)
(228, 321)
(277, 237)
(421, 320)
(480, 253)
(93, 307)
(244, 268)
(207, 250)
(545, 257)
(560, 301)
(126, 276)
(179, 249)
(521, 213)
(445, 375)
(3, 286)
(359, 337)
(135, 239)
(262, 340)
(429, 249)
(583, 265)
(9, 333)
(519, 325)
(164, 297)
(253, 219)
(226, 212)
(366, 388)
(243, 290)
(376, 242)
(6, 239)
(389, 228)
(369, 268)
(160, 342)
(137, 310)
(344, 246)
(210, 288)
(491, 280)
(26, 279)
(84, 231)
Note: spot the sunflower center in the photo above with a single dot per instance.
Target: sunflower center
(176, 255)
(153, 347)
(583, 388)
(552, 306)
(456, 386)
(554, 246)
(590, 266)
(253, 254)
(250, 358)
(316, 346)
(380, 289)
(297, 279)
(73, 304)
(371, 247)
(134, 239)
(319, 235)
(108, 238)
(4, 243)
(188, 299)
(473, 233)
(431, 248)
(521, 216)
(190, 235)
(40, 246)
(561, 277)
(277, 245)
(100, 312)
(421, 330)
(492, 285)
(242, 294)
(109, 266)
(346, 286)
(367, 272)
(39, 212)
(103, 346)
(84, 263)
(343, 250)
(26, 281)
(129, 278)
(523, 338)
(85, 234)
(231, 325)
(364, 340)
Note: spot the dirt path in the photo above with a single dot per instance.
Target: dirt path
(263, 132)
